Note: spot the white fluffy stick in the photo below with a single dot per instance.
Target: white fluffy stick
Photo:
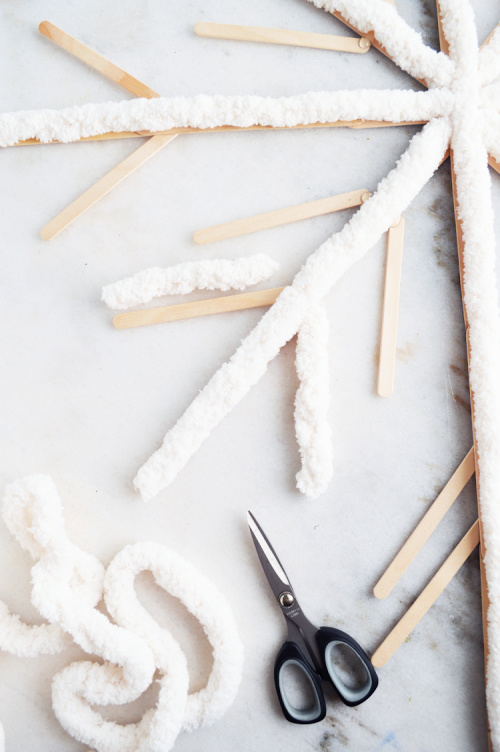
(208, 274)
(312, 428)
(204, 111)
(489, 58)
(322, 270)
(491, 129)
(403, 44)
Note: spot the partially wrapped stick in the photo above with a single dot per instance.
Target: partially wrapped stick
(313, 430)
(181, 279)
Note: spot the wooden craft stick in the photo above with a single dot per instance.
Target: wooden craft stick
(197, 308)
(426, 526)
(104, 186)
(128, 165)
(96, 61)
(488, 40)
(494, 163)
(461, 265)
(282, 36)
(390, 309)
(112, 135)
(279, 217)
(427, 597)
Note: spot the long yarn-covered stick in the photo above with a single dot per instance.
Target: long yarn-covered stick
(314, 435)
(476, 240)
(283, 321)
(175, 114)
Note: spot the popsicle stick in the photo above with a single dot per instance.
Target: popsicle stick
(282, 36)
(112, 135)
(488, 40)
(494, 163)
(426, 526)
(279, 217)
(128, 165)
(96, 61)
(104, 186)
(390, 311)
(195, 308)
(427, 597)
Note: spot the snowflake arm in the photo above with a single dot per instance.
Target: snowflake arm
(208, 274)
(491, 130)
(489, 58)
(203, 111)
(312, 428)
(404, 45)
(232, 381)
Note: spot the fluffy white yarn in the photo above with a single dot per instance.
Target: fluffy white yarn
(285, 317)
(135, 646)
(461, 116)
(314, 434)
(161, 113)
(209, 274)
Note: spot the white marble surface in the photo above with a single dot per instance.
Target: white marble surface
(88, 404)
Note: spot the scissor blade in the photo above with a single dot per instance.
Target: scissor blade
(271, 565)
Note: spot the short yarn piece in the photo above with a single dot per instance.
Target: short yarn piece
(134, 647)
(206, 274)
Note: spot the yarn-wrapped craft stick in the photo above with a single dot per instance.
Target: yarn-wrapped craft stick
(314, 435)
(284, 319)
(175, 114)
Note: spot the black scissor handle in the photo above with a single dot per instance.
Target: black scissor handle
(328, 640)
(291, 655)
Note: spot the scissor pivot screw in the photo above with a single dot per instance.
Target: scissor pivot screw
(287, 600)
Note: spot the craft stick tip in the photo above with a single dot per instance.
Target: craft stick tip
(384, 391)
(365, 196)
(364, 44)
(378, 660)
(46, 233)
(380, 592)
(44, 27)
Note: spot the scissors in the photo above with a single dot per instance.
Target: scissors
(315, 653)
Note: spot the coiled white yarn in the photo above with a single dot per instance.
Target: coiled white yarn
(67, 584)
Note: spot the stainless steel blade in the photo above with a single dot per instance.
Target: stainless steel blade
(271, 565)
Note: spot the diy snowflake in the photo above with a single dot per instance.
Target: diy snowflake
(462, 112)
